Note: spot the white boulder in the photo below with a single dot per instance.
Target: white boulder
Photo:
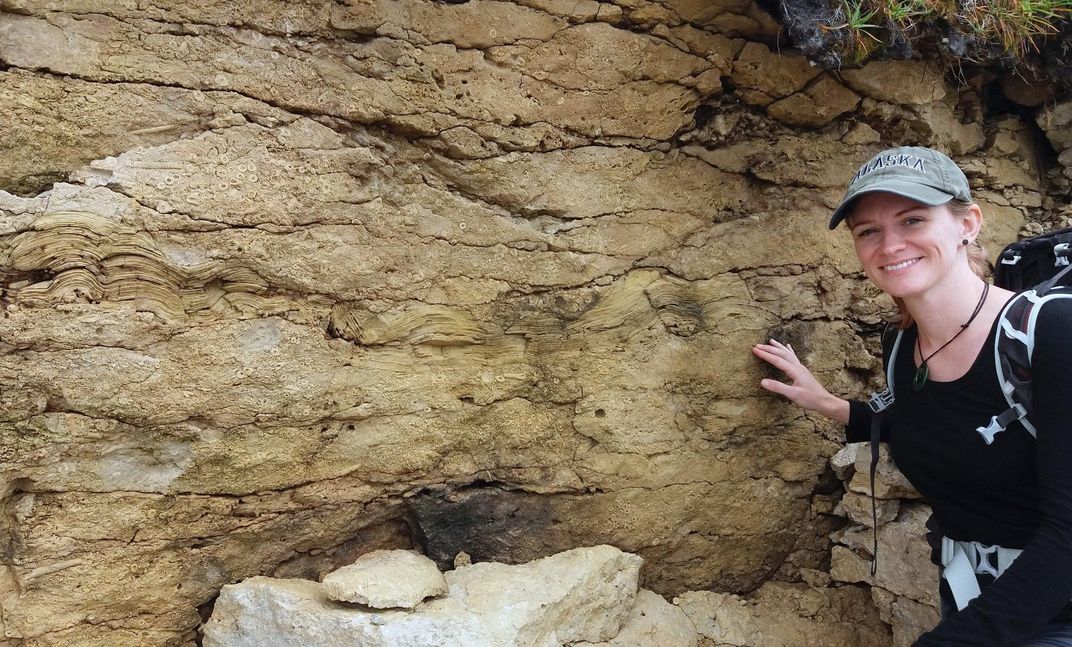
(579, 595)
(653, 622)
(385, 579)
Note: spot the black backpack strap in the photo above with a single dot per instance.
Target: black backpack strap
(1057, 279)
(891, 341)
(1013, 345)
(880, 403)
(876, 431)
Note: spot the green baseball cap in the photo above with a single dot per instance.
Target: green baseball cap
(913, 172)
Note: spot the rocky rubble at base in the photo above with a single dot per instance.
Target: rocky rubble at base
(579, 595)
(585, 597)
(904, 587)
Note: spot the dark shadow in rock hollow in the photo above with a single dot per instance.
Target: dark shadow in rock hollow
(488, 522)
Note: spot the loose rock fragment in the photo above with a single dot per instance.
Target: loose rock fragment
(385, 579)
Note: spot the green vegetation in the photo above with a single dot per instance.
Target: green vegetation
(1016, 24)
(860, 27)
(1014, 27)
(904, 13)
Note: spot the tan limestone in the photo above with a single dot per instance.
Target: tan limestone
(312, 279)
(785, 615)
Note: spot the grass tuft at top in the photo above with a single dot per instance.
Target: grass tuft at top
(1016, 27)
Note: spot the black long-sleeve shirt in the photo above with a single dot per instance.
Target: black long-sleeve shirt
(1016, 492)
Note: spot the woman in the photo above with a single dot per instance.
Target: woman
(914, 225)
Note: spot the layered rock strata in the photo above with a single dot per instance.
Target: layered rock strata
(288, 282)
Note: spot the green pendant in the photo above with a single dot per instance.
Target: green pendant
(921, 377)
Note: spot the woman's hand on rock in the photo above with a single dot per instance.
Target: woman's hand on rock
(802, 388)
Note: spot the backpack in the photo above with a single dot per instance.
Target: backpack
(1029, 262)
(1044, 263)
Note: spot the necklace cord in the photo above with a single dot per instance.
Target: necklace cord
(923, 371)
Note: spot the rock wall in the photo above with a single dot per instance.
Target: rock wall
(285, 282)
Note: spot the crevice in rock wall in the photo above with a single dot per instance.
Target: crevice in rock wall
(204, 612)
(10, 543)
(485, 520)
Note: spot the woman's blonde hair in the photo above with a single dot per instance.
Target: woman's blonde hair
(977, 261)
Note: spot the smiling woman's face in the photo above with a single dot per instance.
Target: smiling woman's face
(905, 247)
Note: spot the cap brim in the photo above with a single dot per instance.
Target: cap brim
(920, 193)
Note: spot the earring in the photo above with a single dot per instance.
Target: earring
(965, 242)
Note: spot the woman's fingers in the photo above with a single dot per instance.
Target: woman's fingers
(778, 344)
(778, 358)
(778, 348)
(773, 358)
(801, 388)
(779, 351)
(774, 386)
